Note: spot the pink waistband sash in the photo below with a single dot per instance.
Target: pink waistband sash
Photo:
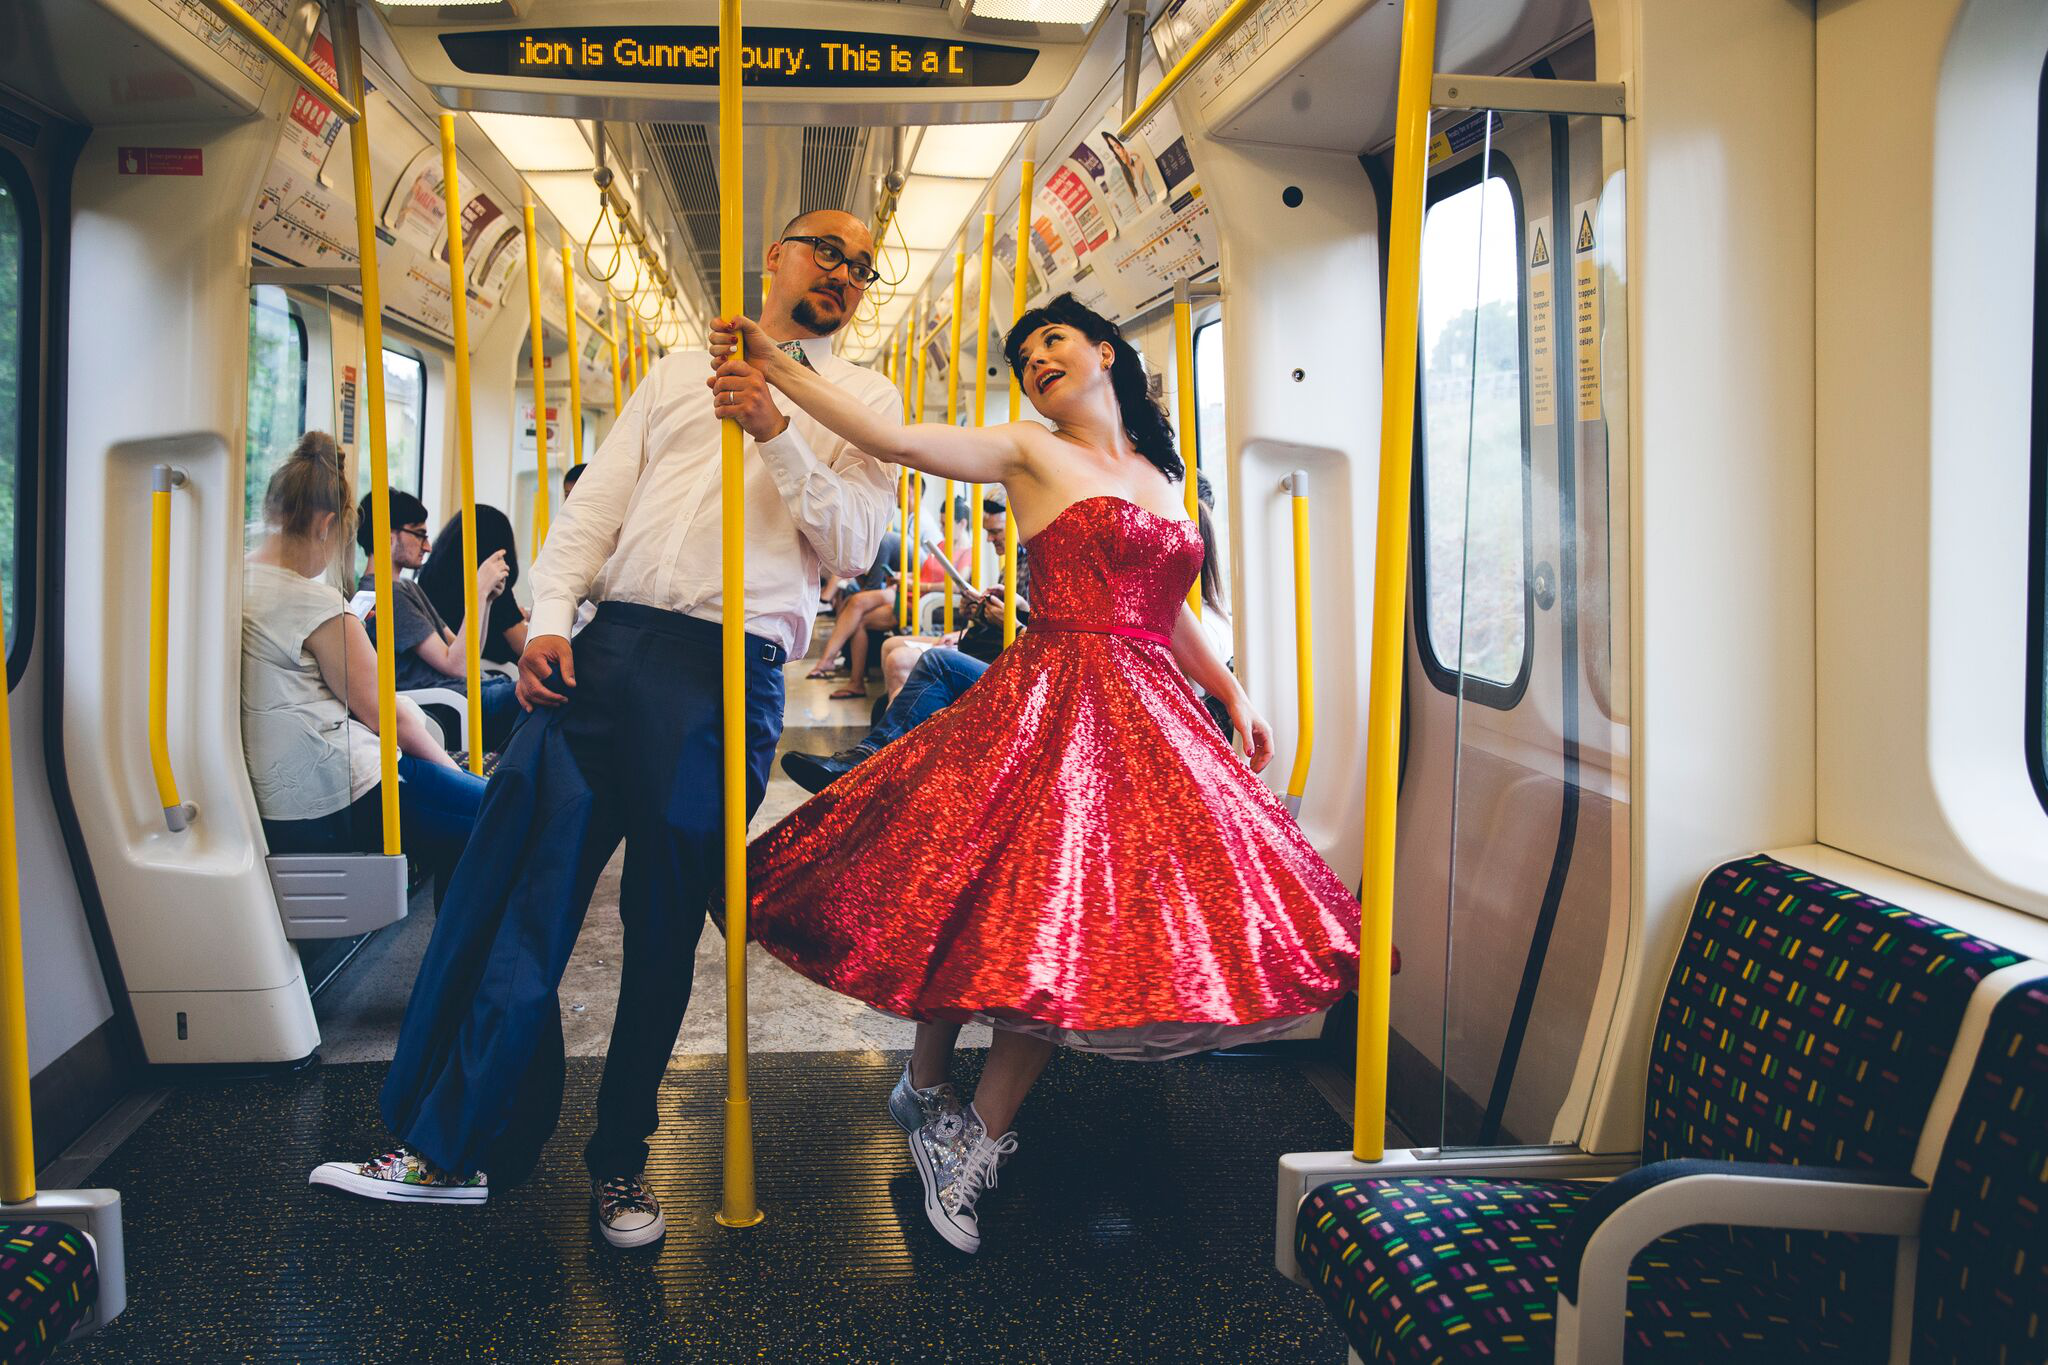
(1104, 628)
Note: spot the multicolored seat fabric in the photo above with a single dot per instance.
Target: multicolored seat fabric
(48, 1284)
(1804, 1023)
(1983, 1277)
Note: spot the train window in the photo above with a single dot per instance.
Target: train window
(405, 419)
(18, 323)
(277, 392)
(1473, 546)
(1209, 396)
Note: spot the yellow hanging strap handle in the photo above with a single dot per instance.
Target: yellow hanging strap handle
(17, 1130)
(348, 61)
(1184, 403)
(988, 242)
(952, 419)
(738, 1209)
(538, 347)
(1390, 574)
(575, 356)
(1019, 275)
(618, 374)
(1304, 649)
(465, 462)
(177, 815)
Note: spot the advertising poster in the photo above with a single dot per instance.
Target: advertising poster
(312, 127)
(416, 213)
(1071, 205)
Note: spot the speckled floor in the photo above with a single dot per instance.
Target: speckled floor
(1134, 1224)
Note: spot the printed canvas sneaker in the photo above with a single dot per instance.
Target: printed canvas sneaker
(913, 1108)
(403, 1176)
(627, 1212)
(957, 1160)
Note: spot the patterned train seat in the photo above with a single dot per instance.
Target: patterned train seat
(1982, 1285)
(1804, 1023)
(48, 1284)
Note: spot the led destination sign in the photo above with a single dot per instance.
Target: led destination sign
(687, 54)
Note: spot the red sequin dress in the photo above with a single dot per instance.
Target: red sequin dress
(1071, 849)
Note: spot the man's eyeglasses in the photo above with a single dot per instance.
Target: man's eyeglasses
(424, 538)
(829, 256)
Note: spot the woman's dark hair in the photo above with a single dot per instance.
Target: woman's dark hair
(1212, 562)
(1144, 420)
(441, 576)
(310, 484)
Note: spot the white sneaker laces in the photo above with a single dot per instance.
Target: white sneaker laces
(978, 1171)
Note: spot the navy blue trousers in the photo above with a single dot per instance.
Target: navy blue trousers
(634, 755)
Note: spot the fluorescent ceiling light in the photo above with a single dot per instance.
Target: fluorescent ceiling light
(968, 151)
(932, 209)
(538, 144)
(1079, 12)
(571, 197)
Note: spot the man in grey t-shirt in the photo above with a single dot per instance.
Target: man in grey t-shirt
(429, 653)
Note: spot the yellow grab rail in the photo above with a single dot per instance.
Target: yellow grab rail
(1238, 12)
(952, 419)
(738, 1209)
(1390, 574)
(348, 61)
(1304, 649)
(1019, 274)
(618, 375)
(465, 462)
(17, 1127)
(988, 242)
(575, 358)
(902, 551)
(177, 815)
(251, 28)
(920, 341)
(1184, 405)
(538, 348)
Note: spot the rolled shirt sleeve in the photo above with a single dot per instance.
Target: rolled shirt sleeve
(841, 503)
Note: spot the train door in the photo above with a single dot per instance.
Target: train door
(1512, 864)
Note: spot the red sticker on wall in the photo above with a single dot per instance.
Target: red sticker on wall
(160, 161)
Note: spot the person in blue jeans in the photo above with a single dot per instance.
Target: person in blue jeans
(937, 680)
(309, 692)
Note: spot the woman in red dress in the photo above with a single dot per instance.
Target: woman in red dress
(1070, 852)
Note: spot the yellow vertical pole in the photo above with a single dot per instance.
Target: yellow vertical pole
(632, 326)
(348, 61)
(17, 1130)
(575, 355)
(902, 549)
(1304, 648)
(618, 374)
(905, 580)
(952, 419)
(1020, 274)
(1184, 403)
(920, 339)
(988, 241)
(465, 465)
(540, 382)
(738, 1209)
(1389, 580)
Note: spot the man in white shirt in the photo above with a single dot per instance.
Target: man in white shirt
(626, 727)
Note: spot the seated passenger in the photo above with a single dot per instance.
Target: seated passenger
(309, 691)
(441, 579)
(429, 653)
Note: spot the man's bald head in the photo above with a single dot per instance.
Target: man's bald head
(816, 298)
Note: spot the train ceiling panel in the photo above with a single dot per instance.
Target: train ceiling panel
(1321, 73)
(808, 62)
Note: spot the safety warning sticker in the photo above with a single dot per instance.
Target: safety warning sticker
(1542, 333)
(1586, 305)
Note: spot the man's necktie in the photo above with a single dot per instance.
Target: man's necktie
(795, 350)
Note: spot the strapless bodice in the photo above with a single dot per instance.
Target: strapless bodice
(1106, 562)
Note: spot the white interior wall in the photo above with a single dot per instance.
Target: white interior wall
(1720, 250)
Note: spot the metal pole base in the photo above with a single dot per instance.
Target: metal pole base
(739, 1209)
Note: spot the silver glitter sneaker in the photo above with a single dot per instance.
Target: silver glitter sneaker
(913, 1108)
(404, 1177)
(957, 1160)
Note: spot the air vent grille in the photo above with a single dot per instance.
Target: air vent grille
(831, 156)
(684, 155)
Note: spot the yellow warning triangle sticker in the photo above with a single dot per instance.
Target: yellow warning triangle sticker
(1585, 242)
(1541, 256)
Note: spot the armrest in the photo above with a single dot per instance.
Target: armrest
(1636, 1209)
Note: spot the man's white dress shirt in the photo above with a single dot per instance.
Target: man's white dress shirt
(643, 525)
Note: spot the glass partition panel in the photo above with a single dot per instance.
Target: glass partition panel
(1522, 608)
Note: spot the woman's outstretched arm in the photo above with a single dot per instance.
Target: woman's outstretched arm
(967, 454)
